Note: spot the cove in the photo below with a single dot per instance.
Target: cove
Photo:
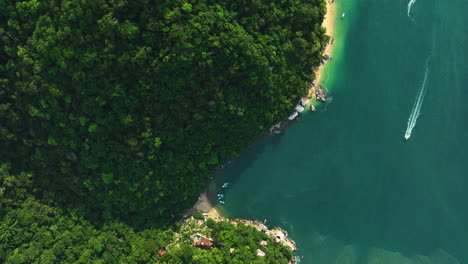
(343, 181)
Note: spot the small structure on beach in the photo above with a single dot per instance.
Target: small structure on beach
(262, 227)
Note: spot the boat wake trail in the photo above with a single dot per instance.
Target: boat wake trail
(410, 4)
(415, 112)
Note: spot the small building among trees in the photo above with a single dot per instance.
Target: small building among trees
(162, 251)
(204, 243)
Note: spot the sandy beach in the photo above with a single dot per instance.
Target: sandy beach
(203, 204)
(328, 25)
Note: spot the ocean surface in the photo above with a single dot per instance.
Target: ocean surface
(343, 181)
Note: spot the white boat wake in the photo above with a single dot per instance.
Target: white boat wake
(417, 105)
(410, 4)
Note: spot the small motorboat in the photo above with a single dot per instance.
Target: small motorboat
(343, 15)
(407, 136)
(225, 185)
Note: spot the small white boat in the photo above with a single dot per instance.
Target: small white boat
(407, 136)
(342, 15)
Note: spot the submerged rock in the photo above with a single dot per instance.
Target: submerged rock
(276, 129)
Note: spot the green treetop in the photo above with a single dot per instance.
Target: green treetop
(123, 109)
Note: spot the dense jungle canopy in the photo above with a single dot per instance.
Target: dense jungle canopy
(123, 109)
(33, 232)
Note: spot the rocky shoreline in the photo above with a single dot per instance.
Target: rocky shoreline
(316, 91)
(206, 208)
(277, 234)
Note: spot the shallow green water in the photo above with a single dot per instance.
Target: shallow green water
(343, 181)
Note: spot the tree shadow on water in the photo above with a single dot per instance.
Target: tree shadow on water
(232, 170)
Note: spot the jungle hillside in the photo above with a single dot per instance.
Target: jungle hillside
(123, 109)
(114, 114)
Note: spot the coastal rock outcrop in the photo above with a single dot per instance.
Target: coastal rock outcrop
(276, 129)
(321, 94)
(299, 108)
(277, 234)
(303, 102)
(293, 116)
(326, 58)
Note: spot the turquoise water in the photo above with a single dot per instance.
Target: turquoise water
(343, 181)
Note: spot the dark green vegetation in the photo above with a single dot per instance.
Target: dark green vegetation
(116, 110)
(123, 109)
(32, 232)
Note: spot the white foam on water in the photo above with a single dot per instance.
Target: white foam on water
(410, 4)
(415, 113)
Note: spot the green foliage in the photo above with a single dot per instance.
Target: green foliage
(124, 108)
(33, 232)
(244, 240)
(107, 177)
(198, 215)
(187, 7)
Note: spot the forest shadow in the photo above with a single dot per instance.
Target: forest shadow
(73, 204)
(231, 171)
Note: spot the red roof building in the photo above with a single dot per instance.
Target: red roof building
(162, 251)
(204, 243)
